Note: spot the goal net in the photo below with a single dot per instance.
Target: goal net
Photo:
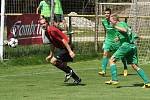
(141, 24)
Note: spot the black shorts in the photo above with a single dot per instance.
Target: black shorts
(63, 55)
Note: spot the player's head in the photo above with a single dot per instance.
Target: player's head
(114, 18)
(107, 13)
(43, 23)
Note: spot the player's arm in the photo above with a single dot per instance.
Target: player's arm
(37, 10)
(71, 53)
(122, 29)
(39, 7)
(52, 48)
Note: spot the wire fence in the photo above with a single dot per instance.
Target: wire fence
(83, 27)
(136, 14)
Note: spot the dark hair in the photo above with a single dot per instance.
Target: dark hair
(108, 9)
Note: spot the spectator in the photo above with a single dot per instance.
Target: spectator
(45, 12)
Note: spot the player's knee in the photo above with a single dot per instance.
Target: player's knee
(59, 63)
(105, 54)
(134, 66)
(53, 61)
(112, 60)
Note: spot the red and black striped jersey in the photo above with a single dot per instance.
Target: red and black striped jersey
(55, 36)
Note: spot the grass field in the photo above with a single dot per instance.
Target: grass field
(45, 82)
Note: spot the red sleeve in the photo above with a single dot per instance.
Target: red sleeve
(59, 33)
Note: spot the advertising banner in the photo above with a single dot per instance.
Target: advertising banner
(25, 28)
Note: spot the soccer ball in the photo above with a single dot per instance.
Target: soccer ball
(13, 42)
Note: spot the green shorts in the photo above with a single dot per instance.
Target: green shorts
(111, 46)
(127, 51)
(58, 18)
(62, 55)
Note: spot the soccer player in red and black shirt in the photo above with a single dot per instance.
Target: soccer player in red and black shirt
(60, 52)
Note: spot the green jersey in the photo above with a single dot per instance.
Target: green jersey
(128, 37)
(110, 44)
(127, 49)
(58, 7)
(132, 36)
(123, 36)
(110, 31)
(45, 8)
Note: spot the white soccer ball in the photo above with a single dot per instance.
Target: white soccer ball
(13, 42)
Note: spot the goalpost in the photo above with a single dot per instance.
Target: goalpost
(52, 10)
(2, 28)
(137, 15)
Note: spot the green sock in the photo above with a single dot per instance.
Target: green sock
(114, 72)
(142, 75)
(104, 63)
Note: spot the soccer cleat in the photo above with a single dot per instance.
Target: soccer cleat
(146, 85)
(68, 76)
(78, 81)
(112, 82)
(102, 73)
(125, 72)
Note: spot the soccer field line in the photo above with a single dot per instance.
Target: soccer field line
(42, 73)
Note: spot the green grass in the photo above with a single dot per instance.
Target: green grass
(45, 82)
(81, 48)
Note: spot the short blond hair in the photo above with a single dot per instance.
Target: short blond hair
(115, 17)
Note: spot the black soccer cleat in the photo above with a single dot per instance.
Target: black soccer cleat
(68, 76)
(78, 81)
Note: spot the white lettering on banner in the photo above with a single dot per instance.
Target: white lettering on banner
(20, 30)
